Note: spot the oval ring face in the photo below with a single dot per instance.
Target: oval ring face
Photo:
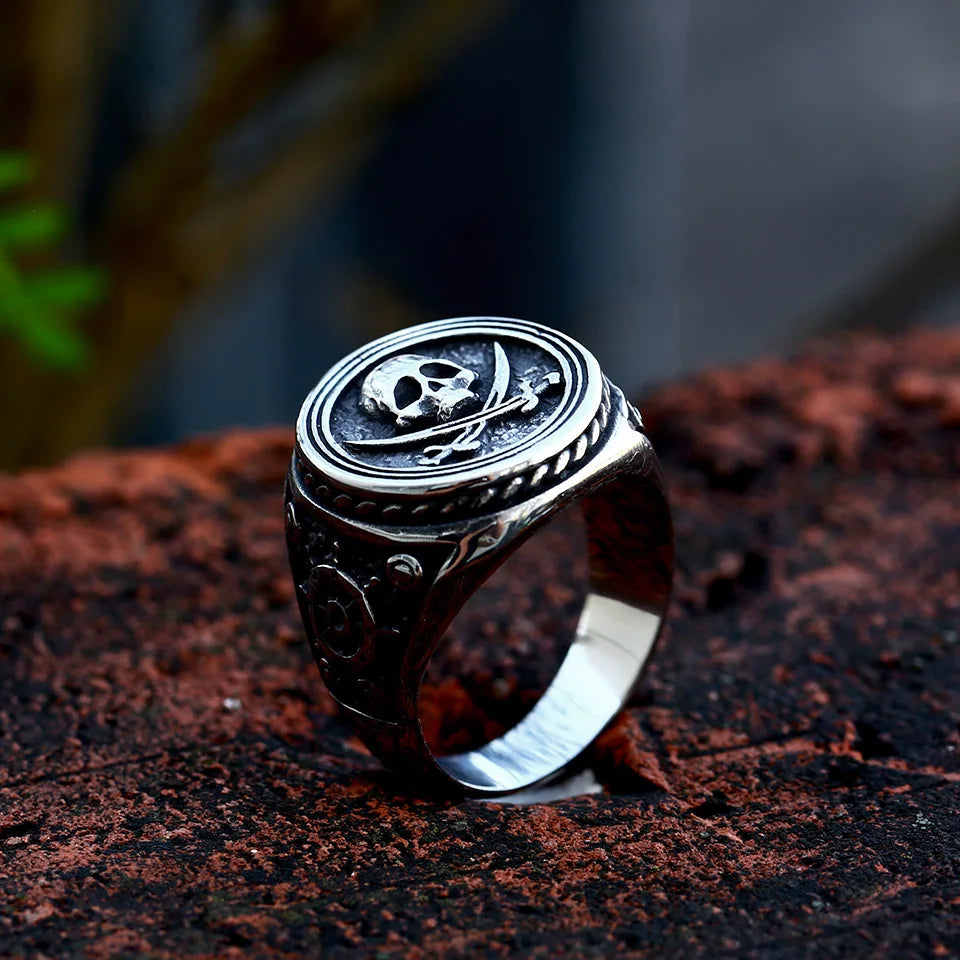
(448, 404)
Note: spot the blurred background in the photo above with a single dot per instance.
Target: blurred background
(204, 203)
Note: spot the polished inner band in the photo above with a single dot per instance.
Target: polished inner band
(629, 539)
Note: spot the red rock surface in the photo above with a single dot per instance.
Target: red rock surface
(174, 781)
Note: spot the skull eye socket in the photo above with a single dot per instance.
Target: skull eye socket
(407, 391)
(438, 370)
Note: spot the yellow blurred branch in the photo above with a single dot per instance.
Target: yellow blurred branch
(174, 230)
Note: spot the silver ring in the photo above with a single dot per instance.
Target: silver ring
(422, 461)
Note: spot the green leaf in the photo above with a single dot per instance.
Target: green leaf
(74, 287)
(15, 169)
(26, 227)
(42, 330)
(37, 310)
(56, 343)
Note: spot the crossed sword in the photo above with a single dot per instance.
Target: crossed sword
(469, 428)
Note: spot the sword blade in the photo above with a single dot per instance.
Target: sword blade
(467, 438)
(441, 429)
(501, 378)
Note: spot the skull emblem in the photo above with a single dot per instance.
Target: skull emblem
(412, 388)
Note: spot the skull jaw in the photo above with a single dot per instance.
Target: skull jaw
(454, 400)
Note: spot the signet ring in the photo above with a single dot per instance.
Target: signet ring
(423, 461)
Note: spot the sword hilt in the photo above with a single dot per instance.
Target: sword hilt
(439, 453)
(530, 392)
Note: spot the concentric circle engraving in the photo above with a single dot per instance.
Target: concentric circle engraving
(449, 404)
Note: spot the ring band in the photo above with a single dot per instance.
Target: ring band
(422, 461)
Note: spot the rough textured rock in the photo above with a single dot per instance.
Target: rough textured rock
(174, 781)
